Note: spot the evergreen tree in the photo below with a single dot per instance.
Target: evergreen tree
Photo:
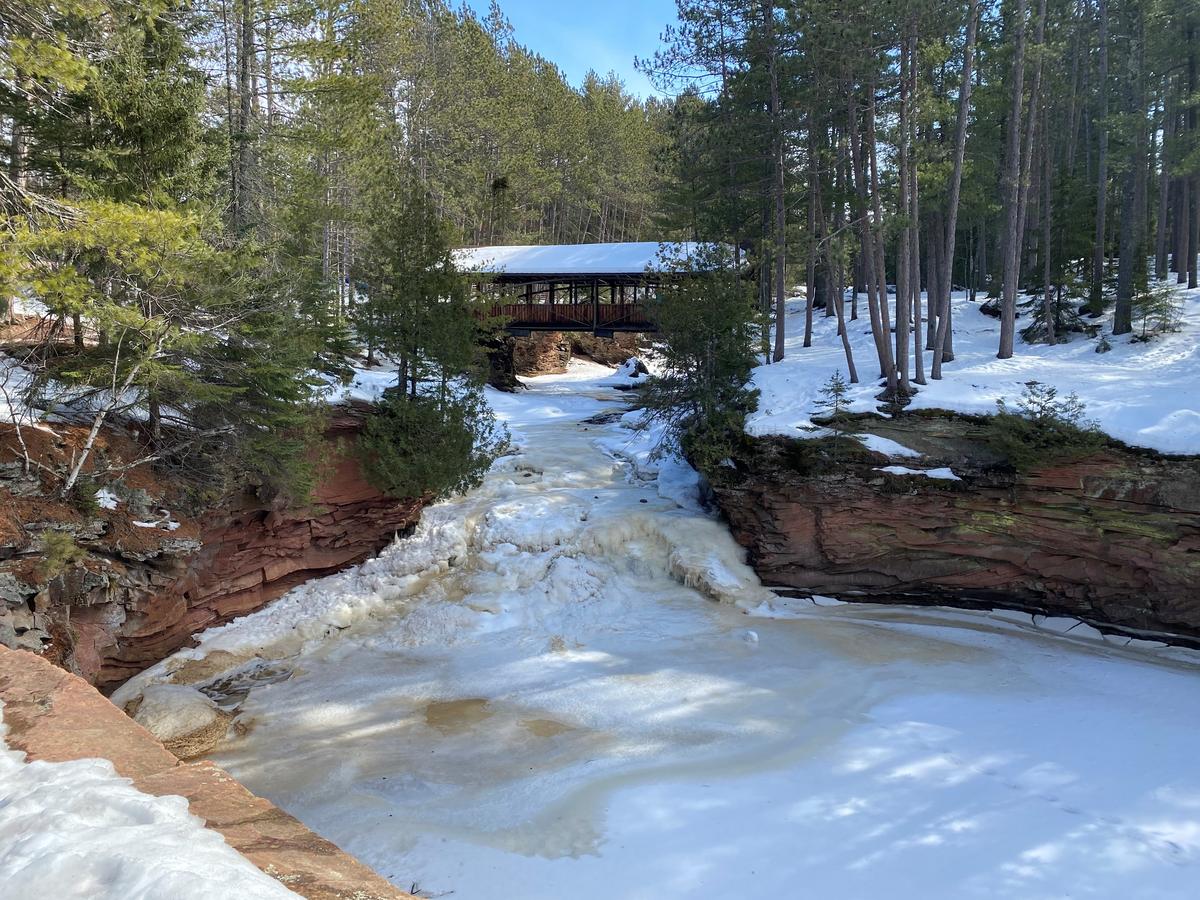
(706, 317)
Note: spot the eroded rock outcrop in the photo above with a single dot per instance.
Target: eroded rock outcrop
(550, 352)
(541, 353)
(137, 594)
(608, 351)
(1112, 538)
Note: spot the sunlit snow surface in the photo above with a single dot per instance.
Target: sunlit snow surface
(1143, 393)
(553, 713)
(77, 831)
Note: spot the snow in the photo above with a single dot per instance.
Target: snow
(106, 499)
(366, 384)
(166, 524)
(572, 259)
(943, 474)
(534, 696)
(14, 382)
(886, 446)
(1143, 393)
(77, 830)
(628, 374)
(171, 711)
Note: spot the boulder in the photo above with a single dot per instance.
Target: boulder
(188, 723)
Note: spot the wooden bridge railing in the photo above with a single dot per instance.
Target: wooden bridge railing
(575, 316)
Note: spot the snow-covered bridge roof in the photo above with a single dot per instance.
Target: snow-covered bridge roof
(571, 259)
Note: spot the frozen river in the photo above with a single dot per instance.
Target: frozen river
(551, 703)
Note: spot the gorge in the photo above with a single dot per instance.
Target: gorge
(536, 694)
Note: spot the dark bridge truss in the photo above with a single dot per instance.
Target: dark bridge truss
(602, 304)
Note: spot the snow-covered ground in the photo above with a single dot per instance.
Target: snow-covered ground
(78, 830)
(1145, 393)
(535, 696)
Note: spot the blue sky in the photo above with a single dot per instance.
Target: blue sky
(578, 35)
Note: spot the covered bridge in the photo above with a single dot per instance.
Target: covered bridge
(601, 288)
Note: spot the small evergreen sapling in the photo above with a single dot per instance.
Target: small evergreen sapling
(833, 400)
(833, 404)
(1155, 311)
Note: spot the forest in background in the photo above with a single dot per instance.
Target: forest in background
(219, 205)
(905, 148)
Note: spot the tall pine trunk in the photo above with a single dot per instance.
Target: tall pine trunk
(1132, 231)
(903, 181)
(1164, 184)
(1049, 310)
(1012, 189)
(960, 145)
(777, 163)
(1096, 301)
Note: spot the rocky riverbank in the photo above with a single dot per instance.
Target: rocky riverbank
(54, 717)
(1112, 538)
(138, 577)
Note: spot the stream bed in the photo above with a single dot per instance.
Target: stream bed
(582, 691)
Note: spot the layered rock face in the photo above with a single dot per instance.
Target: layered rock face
(549, 352)
(613, 351)
(125, 609)
(542, 353)
(1113, 538)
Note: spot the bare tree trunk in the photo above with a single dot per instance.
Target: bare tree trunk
(1049, 311)
(269, 69)
(960, 146)
(1164, 183)
(778, 164)
(840, 300)
(888, 361)
(814, 198)
(1012, 186)
(915, 264)
(869, 237)
(903, 250)
(839, 265)
(18, 150)
(1132, 231)
(245, 98)
(1193, 240)
(1031, 124)
(1183, 228)
(932, 292)
(1096, 301)
(1017, 168)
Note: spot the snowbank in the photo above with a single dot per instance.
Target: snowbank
(78, 830)
(1143, 393)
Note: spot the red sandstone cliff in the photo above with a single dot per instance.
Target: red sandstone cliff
(142, 593)
(1113, 538)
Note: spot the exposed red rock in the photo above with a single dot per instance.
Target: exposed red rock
(542, 353)
(54, 716)
(609, 351)
(144, 601)
(549, 352)
(1114, 538)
